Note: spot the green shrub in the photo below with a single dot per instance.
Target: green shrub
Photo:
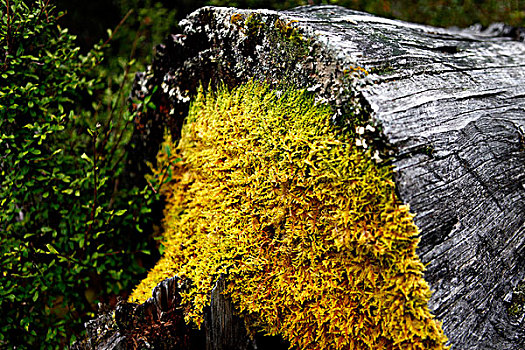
(70, 221)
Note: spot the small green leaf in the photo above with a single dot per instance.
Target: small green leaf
(86, 158)
(51, 248)
(120, 212)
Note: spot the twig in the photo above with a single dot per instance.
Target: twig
(117, 28)
(109, 39)
(94, 206)
(121, 88)
(8, 34)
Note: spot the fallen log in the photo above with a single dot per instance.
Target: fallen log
(448, 108)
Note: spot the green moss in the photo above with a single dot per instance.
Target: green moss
(308, 229)
(384, 70)
(250, 25)
(290, 38)
(517, 306)
(289, 32)
(253, 24)
(282, 34)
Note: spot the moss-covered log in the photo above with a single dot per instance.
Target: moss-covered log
(446, 108)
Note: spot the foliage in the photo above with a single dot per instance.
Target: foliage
(147, 25)
(89, 20)
(70, 221)
(444, 13)
(438, 13)
(306, 226)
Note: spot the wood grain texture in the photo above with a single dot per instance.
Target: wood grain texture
(225, 330)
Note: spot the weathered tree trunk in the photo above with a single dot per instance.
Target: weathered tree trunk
(451, 109)
(225, 330)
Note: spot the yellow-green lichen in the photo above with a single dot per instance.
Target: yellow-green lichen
(307, 227)
(289, 31)
(517, 306)
(254, 24)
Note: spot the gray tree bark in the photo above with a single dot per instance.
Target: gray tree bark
(450, 108)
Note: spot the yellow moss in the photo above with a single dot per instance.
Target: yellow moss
(308, 229)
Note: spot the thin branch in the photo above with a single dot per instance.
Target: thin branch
(117, 28)
(8, 34)
(121, 88)
(94, 206)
